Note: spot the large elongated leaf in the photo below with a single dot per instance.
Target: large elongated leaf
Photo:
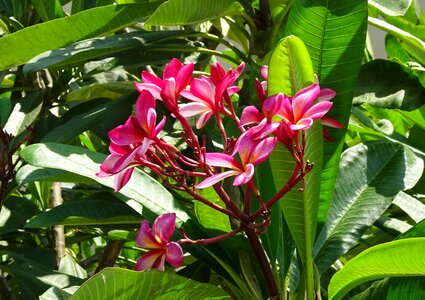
(48, 9)
(92, 48)
(334, 33)
(290, 70)
(141, 189)
(21, 46)
(393, 259)
(179, 12)
(370, 176)
(114, 283)
(400, 90)
(391, 7)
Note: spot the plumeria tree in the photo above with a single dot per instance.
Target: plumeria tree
(225, 150)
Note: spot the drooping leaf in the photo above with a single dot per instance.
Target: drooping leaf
(401, 90)
(113, 283)
(21, 46)
(416, 231)
(96, 209)
(407, 288)
(391, 7)
(334, 33)
(180, 12)
(370, 176)
(28, 173)
(392, 259)
(83, 51)
(109, 90)
(140, 190)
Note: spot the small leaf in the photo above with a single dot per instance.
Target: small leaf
(14, 214)
(180, 12)
(401, 90)
(410, 205)
(114, 283)
(392, 259)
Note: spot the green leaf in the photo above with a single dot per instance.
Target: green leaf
(391, 7)
(334, 33)
(416, 231)
(393, 259)
(89, 49)
(24, 113)
(96, 209)
(408, 288)
(48, 9)
(401, 90)
(370, 176)
(114, 283)
(180, 12)
(140, 190)
(290, 67)
(209, 217)
(21, 46)
(5, 108)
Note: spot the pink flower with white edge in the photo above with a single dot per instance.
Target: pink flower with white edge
(157, 239)
(207, 94)
(176, 77)
(131, 141)
(252, 151)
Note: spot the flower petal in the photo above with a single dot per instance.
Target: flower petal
(172, 68)
(122, 178)
(148, 260)
(244, 177)
(203, 89)
(250, 114)
(262, 150)
(148, 77)
(184, 77)
(303, 124)
(164, 226)
(215, 178)
(218, 159)
(217, 72)
(146, 239)
(126, 135)
(203, 119)
(326, 94)
(174, 254)
(304, 99)
(192, 109)
(145, 102)
(318, 110)
(152, 88)
(265, 72)
(331, 122)
(168, 95)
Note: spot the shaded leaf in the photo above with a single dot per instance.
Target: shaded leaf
(180, 12)
(109, 90)
(96, 209)
(392, 259)
(401, 90)
(48, 9)
(113, 283)
(28, 173)
(411, 206)
(14, 214)
(370, 176)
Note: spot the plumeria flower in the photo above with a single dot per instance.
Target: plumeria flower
(176, 77)
(207, 94)
(131, 141)
(157, 239)
(252, 151)
(261, 87)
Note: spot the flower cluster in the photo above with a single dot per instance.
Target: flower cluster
(136, 143)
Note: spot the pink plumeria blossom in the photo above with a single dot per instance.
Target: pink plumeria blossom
(176, 77)
(157, 239)
(207, 94)
(252, 151)
(131, 141)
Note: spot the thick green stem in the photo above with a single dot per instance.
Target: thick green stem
(264, 263)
